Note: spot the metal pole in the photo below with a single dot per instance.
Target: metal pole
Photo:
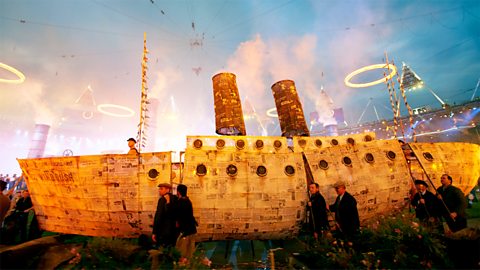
(376, 113)
(474, 92)
(435, 95)
(361, 116)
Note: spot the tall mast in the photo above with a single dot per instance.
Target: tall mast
(142, 126)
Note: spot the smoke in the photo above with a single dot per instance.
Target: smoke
(258, 64)
(163, 79)
(34, 95)
(248, 64)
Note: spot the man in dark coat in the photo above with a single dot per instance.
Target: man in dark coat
(164, 224)
(317, 208)
(427, 206)
(455, 203)
(186, 223)
(346, 213)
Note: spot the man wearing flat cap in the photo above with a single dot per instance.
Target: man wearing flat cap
(346, 213)
(131, 145)
(455, 204)
(425, 203)
(164, 224)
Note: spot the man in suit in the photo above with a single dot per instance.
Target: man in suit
(346, 213)
(427, 206)
(165, 232)
(186, 223)
(317, 207)
(455, 203)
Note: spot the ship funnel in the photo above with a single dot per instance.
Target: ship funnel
(39, 140)
(289, 109)
(228, 108)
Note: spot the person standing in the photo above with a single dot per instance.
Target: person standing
(131, 145)
(427, 206)
(346, 213)
(164, 224)
(317, 207)
(455, 204)
(4, 202)
(22, 209)
(186, 223)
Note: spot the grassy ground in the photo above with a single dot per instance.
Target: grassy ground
(473, 213)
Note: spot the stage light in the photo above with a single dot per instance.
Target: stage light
(367, 68)
(19, 74)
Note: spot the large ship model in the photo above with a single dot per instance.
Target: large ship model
(241, 187)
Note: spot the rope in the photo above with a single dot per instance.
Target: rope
(393, 99)
(410, 111)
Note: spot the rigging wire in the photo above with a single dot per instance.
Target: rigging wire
(133, 18)
(252, 18)
(215, 16)
(165, 14)
(68, 27)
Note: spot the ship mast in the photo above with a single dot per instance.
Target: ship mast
(143, 125)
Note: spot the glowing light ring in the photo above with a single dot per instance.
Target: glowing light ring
(272, 112)
(367, 68)
(19, 74)
(101, 108)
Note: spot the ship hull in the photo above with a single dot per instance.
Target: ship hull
(256, 189)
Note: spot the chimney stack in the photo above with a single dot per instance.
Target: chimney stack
(289, 109)
(228, 107)
(39, 140)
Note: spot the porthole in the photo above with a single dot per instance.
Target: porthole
(428, 156)
(369, 158)
(318, 143)
(347, 161)
(259, 144)
(302, 142)
(277, 144)
(368, 138)
(232, 170)
(261, 170)
(323, 164)
(240, 144)
(289, 170)
(197, 144)
(153, 173)
(391, 155)
(220, 143)
(351, 141)
(334, 142)
(201, 170)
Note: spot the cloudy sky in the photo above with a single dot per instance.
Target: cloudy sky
(64, 46)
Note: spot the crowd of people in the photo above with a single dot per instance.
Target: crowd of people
(15, 209)
(447, 204)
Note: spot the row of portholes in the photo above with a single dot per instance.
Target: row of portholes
(232, 170)
(240, 144)
(369, 158)
(290, 170)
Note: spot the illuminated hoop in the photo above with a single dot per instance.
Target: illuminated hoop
(101, 108)
(19, 74)
(367, 68)
(272, 112)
